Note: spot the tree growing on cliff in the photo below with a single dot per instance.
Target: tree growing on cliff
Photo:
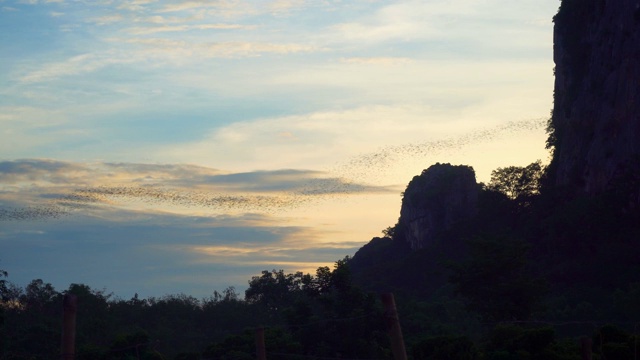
(517, 182)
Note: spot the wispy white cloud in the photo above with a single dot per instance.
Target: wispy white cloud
(284, 7)
(454, 22)
(107, 19)
(35, 2)
(157, 19)
(158, 51)
(224, 8)
(241, 49)
(181, 48)
(180, 28)
(18, 121)
(76, 65)
(134, 5)
(399, 21)
(188, 5)
(385, 61)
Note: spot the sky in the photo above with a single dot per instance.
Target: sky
(162, 147)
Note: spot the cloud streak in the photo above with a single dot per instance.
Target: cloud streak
(385, 61)
(76, 65)
(182, 28)
(56, 188)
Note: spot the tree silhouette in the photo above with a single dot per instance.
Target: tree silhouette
(517, 182)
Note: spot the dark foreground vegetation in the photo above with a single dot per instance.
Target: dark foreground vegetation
(306, 317)
(323, 315)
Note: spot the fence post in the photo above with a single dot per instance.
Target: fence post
(261, 352)
(70, 307)
(393, 326)
(586, 348)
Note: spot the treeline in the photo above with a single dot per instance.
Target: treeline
(315, 315)
(306, 317)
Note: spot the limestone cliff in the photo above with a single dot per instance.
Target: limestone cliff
(435, 200)
(595, 125)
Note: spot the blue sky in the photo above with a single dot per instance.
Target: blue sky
(183, 146)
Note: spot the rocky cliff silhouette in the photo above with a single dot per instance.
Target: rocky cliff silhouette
(595, 126)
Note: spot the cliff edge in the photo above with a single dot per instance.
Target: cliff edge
(435, 200)
(595, 125)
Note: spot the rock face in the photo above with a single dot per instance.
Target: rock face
(595, 125)
(435, 200)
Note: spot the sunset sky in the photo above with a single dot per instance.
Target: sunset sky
(161, 147)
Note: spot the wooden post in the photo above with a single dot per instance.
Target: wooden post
(585, 344)
(393, 326)
(261, 352)
(70, 307)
